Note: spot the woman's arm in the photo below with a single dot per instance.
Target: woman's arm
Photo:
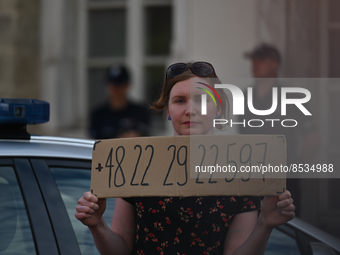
(118, 239)
(249, 234)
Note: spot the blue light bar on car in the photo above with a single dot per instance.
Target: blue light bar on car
(24, 111)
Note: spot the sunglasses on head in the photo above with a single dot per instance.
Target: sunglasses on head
(203, 69)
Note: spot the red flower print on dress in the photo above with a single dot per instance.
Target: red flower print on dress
(216, 228)
(196, 240)
(157, 225)
(139, 209)
(165, 202)
(185, 214)
(168, 221)
(199, 200)
(216, 207)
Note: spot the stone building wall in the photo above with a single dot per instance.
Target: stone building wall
(297, 29)
(19, 48)
(303, 39)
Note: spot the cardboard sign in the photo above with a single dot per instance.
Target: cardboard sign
(189, 166)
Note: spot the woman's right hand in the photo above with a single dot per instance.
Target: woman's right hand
(90, 209)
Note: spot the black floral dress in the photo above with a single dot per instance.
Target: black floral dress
(186, 225)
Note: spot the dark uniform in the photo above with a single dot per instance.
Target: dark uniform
(107, 123)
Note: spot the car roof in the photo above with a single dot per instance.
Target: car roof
(47, 146)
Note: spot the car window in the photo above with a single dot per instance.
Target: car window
(15, 230)
(72, 184)
(281, 243)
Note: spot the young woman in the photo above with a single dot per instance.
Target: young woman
(186, 225)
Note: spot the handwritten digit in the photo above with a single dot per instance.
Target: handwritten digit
(134, 173)
(229, 162)
(198, 174)
(263, 162)
(151, 156)
(183, 164)
(172, 161)
(214, 145)
(119, 167)
(247, 160)
(109, 158)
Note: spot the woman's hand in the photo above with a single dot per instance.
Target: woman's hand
(277, 210)
(243, 238)
(90, 209)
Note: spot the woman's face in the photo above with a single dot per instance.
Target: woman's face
(184, 107)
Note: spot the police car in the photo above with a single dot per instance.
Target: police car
(42, 178)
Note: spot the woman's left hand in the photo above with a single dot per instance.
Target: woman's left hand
(277, 210)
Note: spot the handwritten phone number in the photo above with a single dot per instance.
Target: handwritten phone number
(306, 168)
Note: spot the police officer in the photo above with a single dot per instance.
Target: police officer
(119, 117)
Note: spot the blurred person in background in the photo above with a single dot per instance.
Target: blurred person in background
(119, 118)
(266, 62)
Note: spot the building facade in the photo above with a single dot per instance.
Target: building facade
(58, 51)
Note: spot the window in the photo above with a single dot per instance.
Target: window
(72, 183)
(107, 33)
(15, 230)
(135, 33)
(282, 243)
